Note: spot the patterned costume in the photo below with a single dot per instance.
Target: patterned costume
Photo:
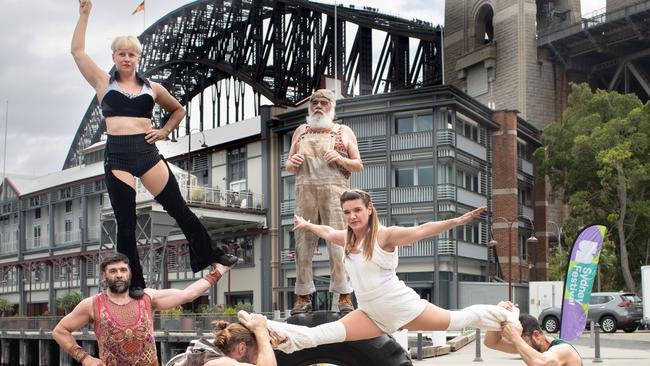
(125, 332)
(319, 186)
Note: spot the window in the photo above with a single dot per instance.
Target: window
(65, 193)
(469, 233)
(526, 196)
(37, 236)
(68, 206)
(445, 174)
(467, 129)
(523, 247)
(100, 185)
(468, 181)
(68, 230)
(414, 123)
(236, 164)
(291, 190)
(239, 298)
(414, 176)
(34, 201)
(524, 151)
(37, 213)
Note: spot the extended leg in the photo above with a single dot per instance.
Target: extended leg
(487, 317)
(202, 252)
(122, 196)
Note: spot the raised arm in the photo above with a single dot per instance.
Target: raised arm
(399, 236)
(170, 298)
(62, 333)
(90, 71)
(322, 231)
(171, 105)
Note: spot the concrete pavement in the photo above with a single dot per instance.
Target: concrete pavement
(618, 349)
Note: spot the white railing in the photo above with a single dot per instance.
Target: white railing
(8, 246)
(446, 192)
(32, 242)
(412, 194)
(212, 197)
(446, 246)
(446, 137)
(287, 207)
(425, 248)
(287, 256)
(415, 140)
(66, 237)
(94, 232)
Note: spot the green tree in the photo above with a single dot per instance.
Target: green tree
(68, 301)
(597, 160)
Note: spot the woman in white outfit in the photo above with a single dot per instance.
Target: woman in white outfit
(386, 304)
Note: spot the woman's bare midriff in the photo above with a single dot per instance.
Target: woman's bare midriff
(127, 125)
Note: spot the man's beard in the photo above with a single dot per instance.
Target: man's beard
(320, 120)
(536, 346)
(118, 286)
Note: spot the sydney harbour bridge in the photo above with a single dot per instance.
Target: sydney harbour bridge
(277, 49)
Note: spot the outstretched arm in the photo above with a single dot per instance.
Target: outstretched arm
(398, 236)
(62, 333)
(170, 298)
(90, 71)
(322, 231)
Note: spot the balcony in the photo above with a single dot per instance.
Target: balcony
(207, 196)
(409, 141)
(446, 192)
(289, 255)
(425, 248)
(94, 232)
(287, 207)
(525, 166)
(36, 242)
(66, 237)
(413, 194)
(10, 246)
(446, 137)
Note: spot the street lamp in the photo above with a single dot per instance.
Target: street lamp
(558, 235)
(532, 239)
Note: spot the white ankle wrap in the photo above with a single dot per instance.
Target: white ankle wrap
(486, 317)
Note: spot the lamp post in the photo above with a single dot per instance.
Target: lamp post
(531, 239)
(558, 235)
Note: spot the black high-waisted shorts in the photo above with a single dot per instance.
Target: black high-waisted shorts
(131, 153)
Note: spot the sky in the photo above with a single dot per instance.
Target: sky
(43, 97)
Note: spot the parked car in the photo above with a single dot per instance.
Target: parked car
(612, 310)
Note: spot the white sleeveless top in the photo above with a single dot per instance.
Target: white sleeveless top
(368, 277)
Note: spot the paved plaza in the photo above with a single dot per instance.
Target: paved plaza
(618, 349)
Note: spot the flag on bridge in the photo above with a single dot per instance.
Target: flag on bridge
(581, 271)
(139, 8)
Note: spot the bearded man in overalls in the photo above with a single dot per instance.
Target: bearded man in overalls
(322, 155)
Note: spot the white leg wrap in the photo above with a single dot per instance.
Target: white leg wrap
(486, 317)
(299, 337)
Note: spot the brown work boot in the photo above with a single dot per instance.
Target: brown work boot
(302, 305)
(345, 304)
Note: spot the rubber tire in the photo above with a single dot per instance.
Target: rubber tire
(608, 319)
(380, 351)
(551, 324)
(630, 328)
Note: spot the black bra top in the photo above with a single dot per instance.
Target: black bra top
(117, 103)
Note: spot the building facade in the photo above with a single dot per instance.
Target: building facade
(429, 154)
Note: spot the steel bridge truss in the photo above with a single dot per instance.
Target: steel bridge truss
(281, 49)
